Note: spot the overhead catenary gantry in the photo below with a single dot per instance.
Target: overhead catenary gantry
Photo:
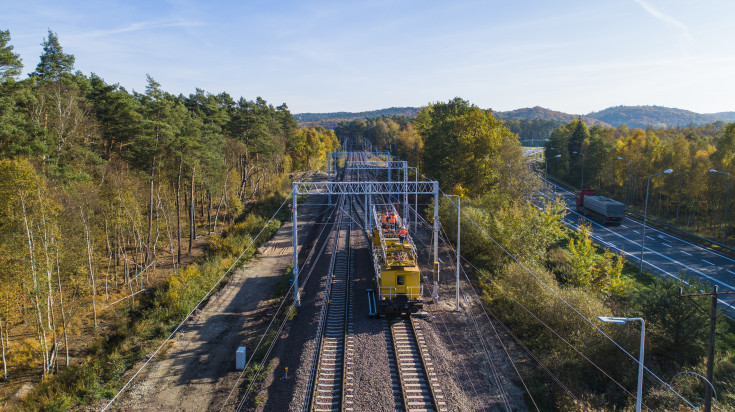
(364, 157)
(366, 189)
(389, 166)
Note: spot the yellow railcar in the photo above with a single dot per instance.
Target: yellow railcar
(397, 273)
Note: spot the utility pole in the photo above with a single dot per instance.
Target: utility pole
(711, 352)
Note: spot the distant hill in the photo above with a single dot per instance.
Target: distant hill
(532, 113)
(631, 116)
(654, 116)
(331, 120)
(724, 116)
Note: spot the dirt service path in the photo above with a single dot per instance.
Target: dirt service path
(198, 369)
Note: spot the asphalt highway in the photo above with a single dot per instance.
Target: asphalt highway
(665, 254)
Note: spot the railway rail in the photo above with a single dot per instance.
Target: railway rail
(332, 385)
(419, 384)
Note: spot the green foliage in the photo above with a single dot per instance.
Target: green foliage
(309, 147)
(677, 328)
(111, 180)
(553, 331)
(185, 288)
(10, 63)
(528, 232)
(54, 62)
(339, 120)
(589, 269)
(18, 136)
(119, 116)
(618, 162)
(468, 146)
(532, 130)
(282, 283)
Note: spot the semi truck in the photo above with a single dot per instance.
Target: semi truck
(600, 208)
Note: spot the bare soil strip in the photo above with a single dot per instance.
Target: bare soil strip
(198, 369)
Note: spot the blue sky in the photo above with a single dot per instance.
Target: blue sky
(575, 56)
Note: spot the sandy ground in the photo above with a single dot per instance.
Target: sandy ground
(197, 371)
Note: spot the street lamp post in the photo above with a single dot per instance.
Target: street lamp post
(645, 210)
(609, 319)
(630, 174)
(546, 164)
(581, 182)
(727, 200)
(459, 215)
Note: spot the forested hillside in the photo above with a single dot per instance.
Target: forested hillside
(724, 116)
(537, 112)
(537, 123)
(653, 116)
(331, 120)
(105, 197)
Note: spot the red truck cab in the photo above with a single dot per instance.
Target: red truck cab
(580, 198)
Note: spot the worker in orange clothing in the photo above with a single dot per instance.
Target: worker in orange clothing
(402, 234)
(393, 221)
(384, 221)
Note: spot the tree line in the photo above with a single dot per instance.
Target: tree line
(619, 161)
(102, 189)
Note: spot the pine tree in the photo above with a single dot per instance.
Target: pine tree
(10, 63)
(54, 62)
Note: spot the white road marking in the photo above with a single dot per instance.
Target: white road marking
(664, 233)
(636, 231)
(666, 244)
(686, 253)
(708, 262)
(730, 271)
(656, 253)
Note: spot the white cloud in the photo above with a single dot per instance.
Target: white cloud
(144, 25)
(669, 20)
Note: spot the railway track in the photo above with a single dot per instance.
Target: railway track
(419, 384)
(332, 386)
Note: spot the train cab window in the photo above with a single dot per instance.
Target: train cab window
(400, 280)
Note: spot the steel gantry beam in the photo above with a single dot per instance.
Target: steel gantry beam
(364, 155)
(378, 164)
(366, 189)
(389, 165)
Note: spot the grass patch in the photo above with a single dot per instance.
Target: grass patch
(283, 283)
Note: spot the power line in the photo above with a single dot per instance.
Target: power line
(556, 379)
(571, 306)
(283, 300)
(207, 294)
(197, 305)
(496, 376)
(486, 351)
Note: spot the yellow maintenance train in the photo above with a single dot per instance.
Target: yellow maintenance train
(397, 275)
